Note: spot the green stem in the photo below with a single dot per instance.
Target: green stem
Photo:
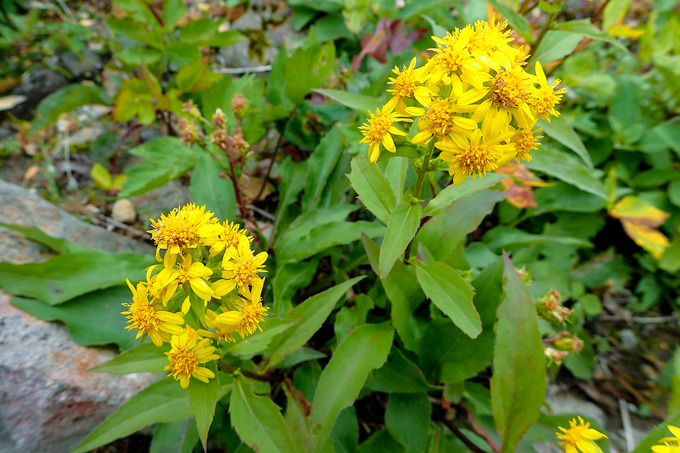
(418, 188)
(545, 29)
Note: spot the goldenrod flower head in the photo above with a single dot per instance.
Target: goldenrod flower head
(221, 236)
(491, 36)
(545, 97)
(670, 444)
(188, 351)
(241, 266)
(188, 272)
(250, 312)
(666, 448)
(439, 121)
(148, 319)
(579, 437)
(525, 141)
(407, 85)
(481, 153)
(379, 130)
(178, 230)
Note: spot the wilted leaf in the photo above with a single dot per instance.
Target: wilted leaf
(639, 220)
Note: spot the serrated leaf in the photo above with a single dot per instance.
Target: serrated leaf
(351, 100)
(161, 402)
(145, 357)
(407, 418)
(451, 293)
(401, 229)
(66, 100)
(208, 188)
(372, 187)
(64, 277)
(258, 421)
(452, 193)
(308, 316)
(560, 130)
(203, 398)
(364, 349)
(561, 166)
(518, 384)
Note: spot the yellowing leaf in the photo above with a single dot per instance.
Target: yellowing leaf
(518, 188)
(639, 220)
(625, 31)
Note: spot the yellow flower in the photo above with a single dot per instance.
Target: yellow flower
(666, 448)
(488, 37)
(481, 153)
(250, 312)
(147, 319)
(188, 351)
(544, 98)
(406, 86)
(452, 56)
(525, 141)
(579, 437)
(240, 268)
(188, 272)
(178, 231)
(670, 444)
(439, 121)
(378, 129)
(221, 236)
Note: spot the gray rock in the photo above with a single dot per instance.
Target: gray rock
(49, 400)
(22, 207)
(151, 204)
(81, 66)
(123, 211)
(566, 403)
(36, 87)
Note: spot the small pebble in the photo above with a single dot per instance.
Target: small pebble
(123, 211)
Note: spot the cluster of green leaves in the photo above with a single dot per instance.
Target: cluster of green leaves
(364, 351)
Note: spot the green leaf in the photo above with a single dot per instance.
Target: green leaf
(292, 249)
(451, 293)
(407, 418)
(92, 319)
(372, 187)
(381, 441)
(308, 316)
(208, 188)
(161, 402)
(318, 62)
(324, 158)
(403, 291)
(145, 357)
(351, 100)
(365, 349)
(203, 398)
(518, 384)
(508, 238)
(66, 100)
(258, 342)
(657, 434)
(555, 46)
(401, 228)
(288, 280)
(560, 130)
(166, 159)
(398, 375)
(173, 11)
(296, 419)
(561, 166)
(452, 193)
(258, 421)
(180, 436)
(448, 355)
(64, 277)
(585, 28)
(309, 220)
(35, 234)
(516, 20)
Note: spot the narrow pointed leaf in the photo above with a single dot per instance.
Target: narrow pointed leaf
(452, 193)
(401, 228)
(203, 398)
(145, 357)
(372, 187)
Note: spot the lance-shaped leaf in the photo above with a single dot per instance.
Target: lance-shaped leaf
(258, 421)
(451, 293)
(308, 316)
(562, 166)
(401, 228)
(372, 187)
(640, 219)
(452, 193)
(145, 357)
(203, 398)
(518, 383)
(560, 130)
(365, 349)
(210, 189)
(351, 100)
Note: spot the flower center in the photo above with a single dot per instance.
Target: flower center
(525, 141)
(143, 316)
(510, 89)
(477, 160)
(545, 100)
(379, 127)
(404, 84)
(183, 361)
(252, 314)
(439, 118)
(245, 272)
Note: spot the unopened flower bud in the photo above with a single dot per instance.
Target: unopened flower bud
(570, 343)
(218, 119)
(238, 105)
(190, 108)
(555, 356)
(549, 308)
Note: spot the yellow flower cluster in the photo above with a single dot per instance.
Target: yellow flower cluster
(580, 437)
(669, 444)
(207, 287)
(473, 98)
